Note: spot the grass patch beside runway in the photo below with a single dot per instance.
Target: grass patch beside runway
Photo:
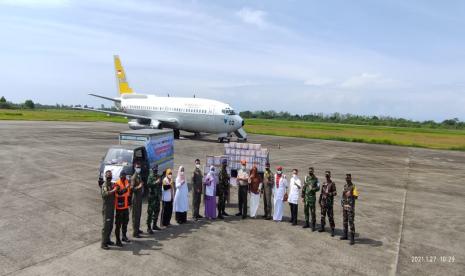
(57, 115)
(403, 136)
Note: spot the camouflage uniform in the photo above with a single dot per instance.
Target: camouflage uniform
(136, 208)
(268, 180)
(108, 211)
(222, 189)
(328, 191)
(153, 199)
(349, 195)
(311, 186)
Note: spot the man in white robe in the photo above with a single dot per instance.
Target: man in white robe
(279, 192)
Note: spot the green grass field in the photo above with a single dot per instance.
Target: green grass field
(415, 137)
(58, 115)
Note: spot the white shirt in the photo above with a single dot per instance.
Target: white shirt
(279, 192)
(295, 190)
(166, 194)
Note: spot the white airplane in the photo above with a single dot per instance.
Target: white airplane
(194, 115)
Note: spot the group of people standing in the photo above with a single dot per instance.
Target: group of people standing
(174, 194)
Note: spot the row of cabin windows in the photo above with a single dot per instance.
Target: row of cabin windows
(172, 109)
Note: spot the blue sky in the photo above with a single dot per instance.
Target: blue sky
(397, 58)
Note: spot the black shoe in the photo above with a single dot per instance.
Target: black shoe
(322, 229)
(105, 247)
(149, 231)
(220, 217)
(137, 236)
(313, 228)
(332, 232)
(140, 232)
(268, 218)
(225, 214)
(110, 243)
(156, 228)
(352, 238)
(199, 217)
(306, 225)
(244, 217)
(125, 239)
(294, 223)
(264, 217)
(238, 214)
(119, 244)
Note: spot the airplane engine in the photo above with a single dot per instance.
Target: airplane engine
(142, 123)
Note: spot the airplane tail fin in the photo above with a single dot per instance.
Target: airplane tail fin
(121, 81)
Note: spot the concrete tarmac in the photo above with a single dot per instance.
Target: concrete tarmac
(409, 217)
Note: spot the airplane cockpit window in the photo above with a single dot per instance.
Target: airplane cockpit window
(228, 111)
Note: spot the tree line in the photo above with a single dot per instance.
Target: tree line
(453, 123)
(29, 104)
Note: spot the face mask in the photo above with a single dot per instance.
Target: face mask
(279, 172)
(294, 175)
(109, 178)
(197, 166)
(137, 170)
(182, 172)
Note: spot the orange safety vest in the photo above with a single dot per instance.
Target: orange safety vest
(122, 201)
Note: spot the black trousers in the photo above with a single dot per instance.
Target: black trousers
(196, 199)
(243, 190)
(166, 212)
(121, 223)
(181, 217)
(294, 209)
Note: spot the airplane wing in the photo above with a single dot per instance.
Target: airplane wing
(133, 116)
(172, 122)
(106, 98)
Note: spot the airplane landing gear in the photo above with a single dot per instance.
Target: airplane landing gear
(177, 133)
(223, 140)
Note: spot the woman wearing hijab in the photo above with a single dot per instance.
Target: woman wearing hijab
(210, 194)
(167, 198)
(181, 198)
(254, 190)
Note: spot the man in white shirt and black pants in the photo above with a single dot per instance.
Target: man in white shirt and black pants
(243, 183)
(295, 186)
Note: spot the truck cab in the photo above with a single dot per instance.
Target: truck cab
(145, 147)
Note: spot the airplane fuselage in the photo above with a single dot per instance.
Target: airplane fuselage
(188, 114)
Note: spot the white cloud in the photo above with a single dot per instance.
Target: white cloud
(254, 17)
(35, 3)
(368, 80)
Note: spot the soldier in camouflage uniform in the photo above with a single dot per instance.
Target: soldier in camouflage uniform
(108, 209)
(222, 189)
(349, 195)
(267, 190)
(328, 192)
(153, 199)
(137, 188)
(311, 186)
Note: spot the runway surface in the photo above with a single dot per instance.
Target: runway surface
(409, 215)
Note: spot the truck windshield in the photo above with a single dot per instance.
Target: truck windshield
(118, 157)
